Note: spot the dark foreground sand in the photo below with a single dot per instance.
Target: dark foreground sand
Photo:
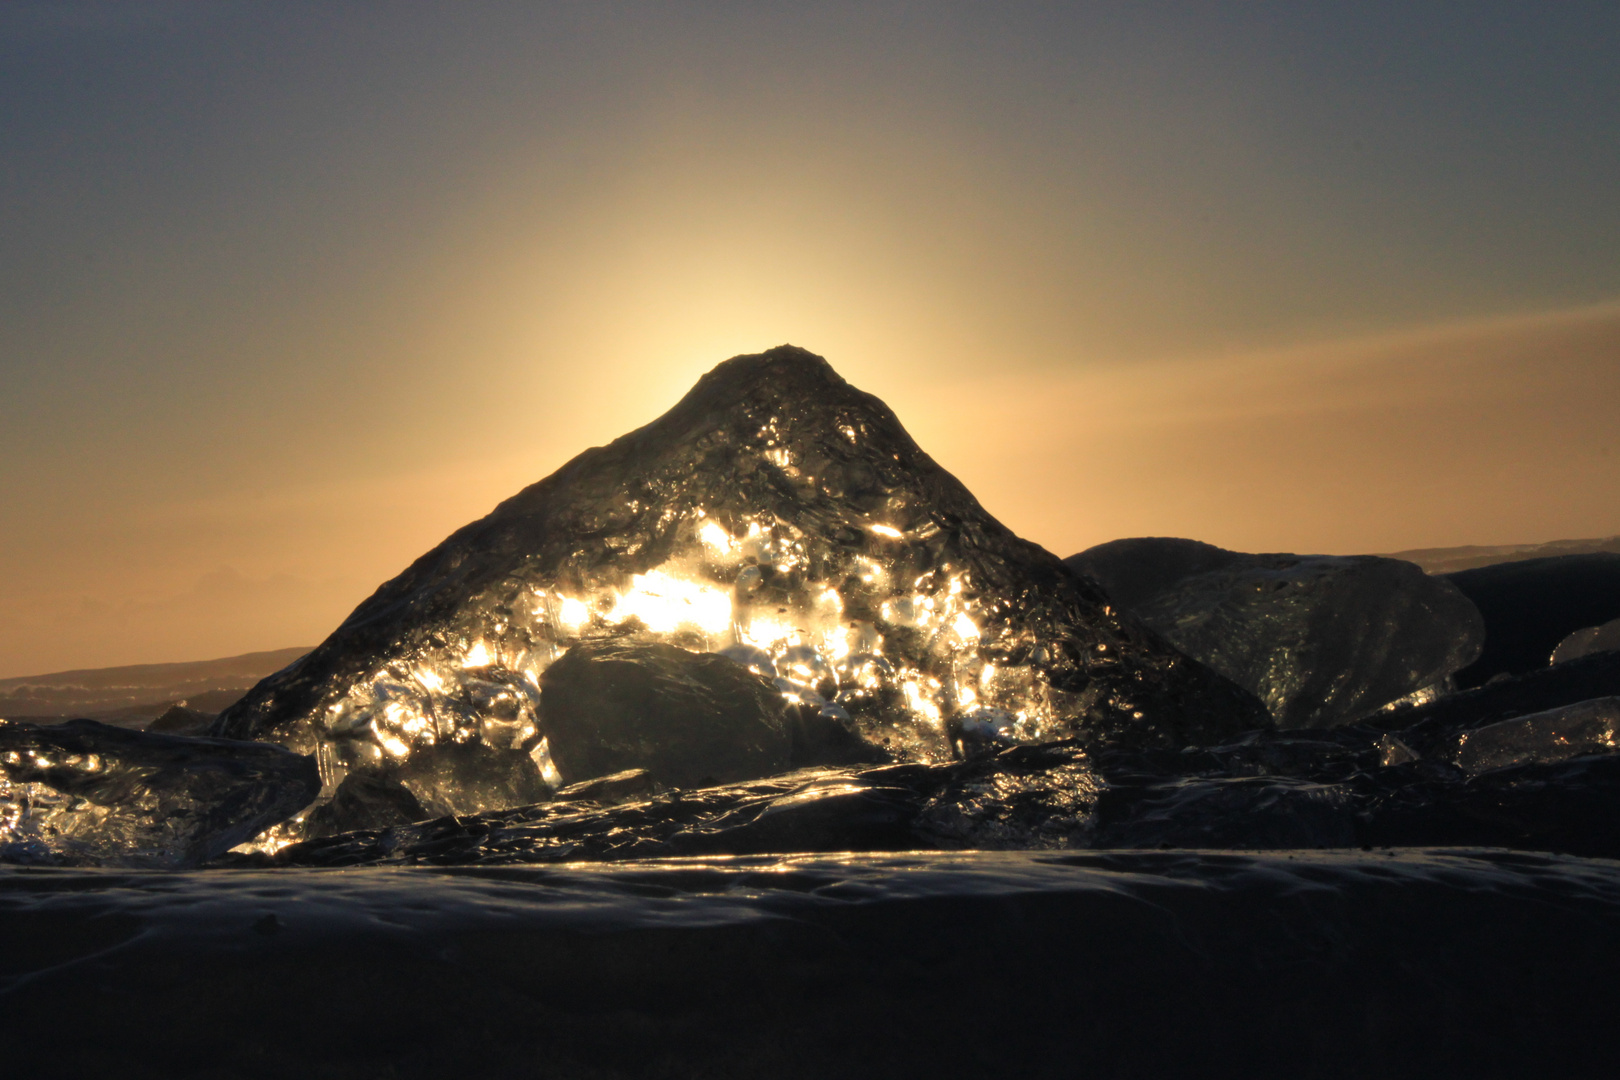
(1117, 964)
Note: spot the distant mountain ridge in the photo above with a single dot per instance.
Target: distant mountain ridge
(135, 694)
(1450, 560)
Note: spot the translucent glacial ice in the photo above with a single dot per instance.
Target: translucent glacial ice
(88, 793)
(1320, 639)
(779, 516)
(1586, 727)
(1552, 784)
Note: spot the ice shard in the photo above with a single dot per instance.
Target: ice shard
(1586, 727)
(88, 793)
(780, 516)
(1433, 728)
(1320, 639)
(1593, 639)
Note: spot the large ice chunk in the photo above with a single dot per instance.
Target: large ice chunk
(1320, 639)
(88, 793)
(776, 514)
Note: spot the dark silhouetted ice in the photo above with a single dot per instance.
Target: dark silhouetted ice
(88, 793)
(776, 515)
(1320, 639)
(687, 719)
(1532, 605)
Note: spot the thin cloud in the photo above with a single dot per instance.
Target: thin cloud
(1496, 430)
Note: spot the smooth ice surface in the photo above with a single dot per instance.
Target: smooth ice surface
(1587, 727)
(85, 792)
(1320, 639)
(1415, 964)
(1593, 639)
(782, 517)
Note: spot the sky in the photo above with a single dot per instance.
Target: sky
(290, 291)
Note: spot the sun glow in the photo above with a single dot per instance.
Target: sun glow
(716, 537)
(572, 613)
(665, 603)
(767, 633)
(965, 628)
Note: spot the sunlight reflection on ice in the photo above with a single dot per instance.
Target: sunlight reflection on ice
(757, 593)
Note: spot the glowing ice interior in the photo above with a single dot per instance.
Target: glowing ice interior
(761, 593)
(83, 792)
(34, 815)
